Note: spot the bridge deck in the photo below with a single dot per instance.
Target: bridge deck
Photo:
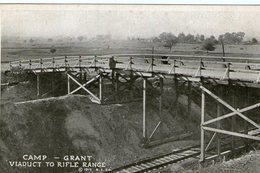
(211, 67)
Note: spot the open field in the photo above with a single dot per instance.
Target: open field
(14, 51)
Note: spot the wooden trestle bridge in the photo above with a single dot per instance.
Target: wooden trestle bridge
(123, 70)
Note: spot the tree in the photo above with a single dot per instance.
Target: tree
(208, 45)
(156, 39)
(254, 41)
(50, 39)
(80, 38)
(181, 37)
(52, 50)
(232, 38)
(31, 40)
(168, 39)
(163, 36)
(170, 42)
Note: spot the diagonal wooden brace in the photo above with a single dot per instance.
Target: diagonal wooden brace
(232, 114)
(95, 97)
(241, 135)
(85, 84)
(229, 107)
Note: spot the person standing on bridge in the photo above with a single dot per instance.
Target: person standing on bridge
(112, 63)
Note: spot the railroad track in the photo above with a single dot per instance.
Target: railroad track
(159, 161)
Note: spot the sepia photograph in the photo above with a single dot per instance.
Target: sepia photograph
(130, 88)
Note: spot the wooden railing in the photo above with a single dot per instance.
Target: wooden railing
(157, 63)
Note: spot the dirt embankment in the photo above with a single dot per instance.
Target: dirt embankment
(74, 125)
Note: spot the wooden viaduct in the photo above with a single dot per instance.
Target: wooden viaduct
(124, 70)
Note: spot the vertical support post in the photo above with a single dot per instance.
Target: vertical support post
(176, 86)
(101, 88)
(80, 73)
(131, 86)
(117, 85)
(218, 127)
(38, 85)
(52, 84)
(219, 113)
(144, 108)
(245, 122)
(161, 96)
(189, 100)
(68, 79)
(202, 132)
(233, 120)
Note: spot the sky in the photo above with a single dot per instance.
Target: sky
(122, 21)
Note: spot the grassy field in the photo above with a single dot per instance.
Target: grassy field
(15, 51)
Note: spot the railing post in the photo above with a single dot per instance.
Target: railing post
(152, 64)
(130, 62)
(227, 72)
(80, 60)
(53, 63)
(68, 80)
(180, 61)
(10, 65)
(95, 61)
(65, 63)
(30, 64)
(41, 64)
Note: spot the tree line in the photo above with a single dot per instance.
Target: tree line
(169, 39)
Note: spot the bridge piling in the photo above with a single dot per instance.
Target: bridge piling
(144, 108)
(101, 89)
(219, 113)
(202, 133)
(38, 85)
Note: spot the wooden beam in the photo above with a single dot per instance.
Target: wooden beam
(202, 133)
(233, 121)
(144, 107)
(101, 89)
(68, 80)
(161, 96)
(156, 127)
(210, 141)
(241, 135)
(189, 101)
(231, 114)
(85, 84)
(70, 77)
(229, 107)
(38, 85)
